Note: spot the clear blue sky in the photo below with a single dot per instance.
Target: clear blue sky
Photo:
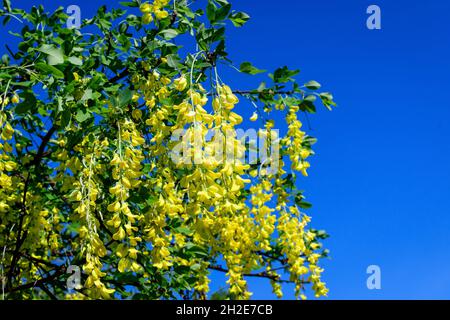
(380, 180)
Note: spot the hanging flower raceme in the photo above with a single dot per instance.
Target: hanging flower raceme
(127, 165)
(294, 139)
(7, 165)
(88, 212)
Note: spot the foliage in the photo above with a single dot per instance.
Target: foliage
(87, 119)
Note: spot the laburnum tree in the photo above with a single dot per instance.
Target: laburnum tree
(87, 177)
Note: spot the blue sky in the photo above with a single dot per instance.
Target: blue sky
(381, 175)
(380, 180)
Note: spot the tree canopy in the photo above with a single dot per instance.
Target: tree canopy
(113, 138)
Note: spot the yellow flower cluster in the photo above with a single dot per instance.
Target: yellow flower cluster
(6, 165)
(5, 99)
(127, 167)
(293, 141)
(169, 204)
(204, 191)
(156, 9)
(217, 183)
(22, 205)
(294, 241)
(263, 214)
(220, 217)
(84, 196)
(11, 184)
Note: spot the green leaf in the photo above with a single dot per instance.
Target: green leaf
(65, 118)
(326, 95)
(312, 85)
(310, 140)
(308, 105)
(322, 234)
(310, 98)
(222, 2)
(211, 11)
(105, 24)
(54, 55)
(26, 84)
(82, 115)
(247, 67)
(6, 20)
(172, 60)
(5, 59)
(222, 12)
(96, 81)
(327, 100)
(261, 87)
(129, 4)
(305, 205)
(184, 230)
(125, 97)
(7, 5)
(86, 95)
(215, 35)
(48, 69)
(283, 75)
(196, 250)
(73, 227)
(28, 103)
(4, 75)
(75, 61)
(196, 267)
(169, 33)
(239, 18)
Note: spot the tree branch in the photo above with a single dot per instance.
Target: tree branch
(21, 238)
(246, 92)
(262, 274)
(39, 282)
(40, 153)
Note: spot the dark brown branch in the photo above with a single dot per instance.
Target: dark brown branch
(256, 92)
(37, 260)
(120, 76)
(246, 92)
(267, 255)
(39, 282)
(21, 237)
(47, 291)
(262, 274)
(42, 285)
(40, 153)
(20, 240)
